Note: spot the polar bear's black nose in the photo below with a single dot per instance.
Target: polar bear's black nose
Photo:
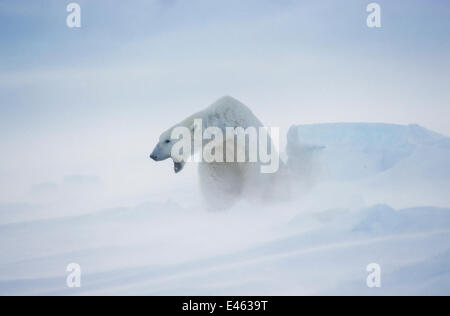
(154, 157)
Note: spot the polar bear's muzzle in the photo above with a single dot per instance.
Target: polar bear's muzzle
(158, 155)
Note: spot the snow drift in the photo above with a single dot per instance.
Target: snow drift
(368, 193)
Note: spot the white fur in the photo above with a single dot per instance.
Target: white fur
(224, 183)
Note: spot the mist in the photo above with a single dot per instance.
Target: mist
(363, 116)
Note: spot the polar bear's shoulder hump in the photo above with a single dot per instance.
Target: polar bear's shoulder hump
(234, 112)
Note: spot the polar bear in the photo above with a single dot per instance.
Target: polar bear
(224, 183)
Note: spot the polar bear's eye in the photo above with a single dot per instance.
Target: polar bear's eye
(167, 141)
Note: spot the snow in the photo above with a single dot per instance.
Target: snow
(367, 193)
(352, 151)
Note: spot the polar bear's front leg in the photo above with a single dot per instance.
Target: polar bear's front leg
(221, 184)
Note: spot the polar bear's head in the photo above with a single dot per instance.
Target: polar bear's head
(163, 149)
